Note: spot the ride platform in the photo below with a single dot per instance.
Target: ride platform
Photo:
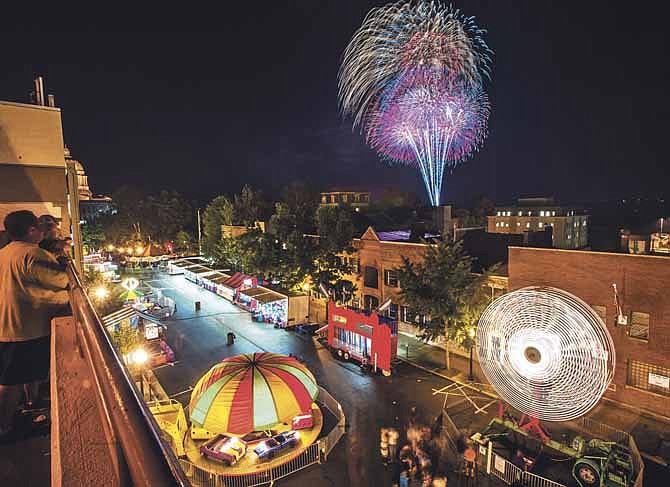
(249, 463)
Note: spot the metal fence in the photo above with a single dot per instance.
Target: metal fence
(605, 432)
(331, 439)
(489, 462)
(204, 478)
(276, 469)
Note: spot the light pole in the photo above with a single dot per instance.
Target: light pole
(471, 334)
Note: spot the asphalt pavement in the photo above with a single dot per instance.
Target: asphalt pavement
(369, 401)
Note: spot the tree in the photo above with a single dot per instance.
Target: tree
(335, 227)
(126, 339)
(302, 200)
(247, 207)
(104, 303)
(219, 212)
(164, 215)
(93, 236)
(183, 241)
(443, 293)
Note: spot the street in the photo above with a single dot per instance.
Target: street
(369, 402)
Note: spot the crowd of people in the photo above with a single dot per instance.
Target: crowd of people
(33, 290)
(415, 462)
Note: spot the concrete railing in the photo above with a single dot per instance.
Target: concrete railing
(102, 431)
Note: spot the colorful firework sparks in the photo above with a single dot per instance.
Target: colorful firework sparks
(412, 79)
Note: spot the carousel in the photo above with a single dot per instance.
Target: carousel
(251, 412)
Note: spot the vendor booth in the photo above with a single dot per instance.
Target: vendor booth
(231, 287)
(212, 281)
(276, 307)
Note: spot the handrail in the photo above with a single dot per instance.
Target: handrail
(150, 462)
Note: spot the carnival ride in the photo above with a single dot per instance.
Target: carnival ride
(252, 403)
(550, 357)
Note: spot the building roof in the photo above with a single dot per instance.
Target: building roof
(263, 294)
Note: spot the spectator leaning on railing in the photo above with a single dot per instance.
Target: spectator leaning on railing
(32, 289)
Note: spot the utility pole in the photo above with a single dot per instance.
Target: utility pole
(199, 235)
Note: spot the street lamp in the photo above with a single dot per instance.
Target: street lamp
(471, 334)
(139, 358)
(100, 293)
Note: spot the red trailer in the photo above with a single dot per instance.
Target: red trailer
(363, 336)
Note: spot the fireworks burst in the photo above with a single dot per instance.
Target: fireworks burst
(412, 79)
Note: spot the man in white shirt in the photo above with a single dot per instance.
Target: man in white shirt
(32, 288)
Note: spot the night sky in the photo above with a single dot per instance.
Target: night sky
(580, 101)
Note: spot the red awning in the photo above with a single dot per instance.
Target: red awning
(237, 280)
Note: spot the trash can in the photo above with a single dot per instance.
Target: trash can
(230, 338)
(197, 305)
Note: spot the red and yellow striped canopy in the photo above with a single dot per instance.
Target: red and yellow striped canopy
(252, 392)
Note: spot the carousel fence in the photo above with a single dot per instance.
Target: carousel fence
(330, 440)
(204, 478)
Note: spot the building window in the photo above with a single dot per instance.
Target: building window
(600, 311)
(507, 225)
(371, 277)
(497, 224)
(498, 214)
(648, 377)
(542, 213)
(393, 311)
(520, 213)
(528, 225)
(391, 278)
(540, 224)
(639, 326)
(518, 224)
(370, 302)
(355, 265)
(553, 213)
(404, 314)
(529, 213)
(584, 223)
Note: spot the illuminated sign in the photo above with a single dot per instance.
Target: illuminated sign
(659, 380)
(339, 319)
(130, 284)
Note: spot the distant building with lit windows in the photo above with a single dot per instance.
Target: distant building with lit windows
(357, 199)
(569, 225)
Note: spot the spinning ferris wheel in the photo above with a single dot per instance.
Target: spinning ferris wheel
(546, 352)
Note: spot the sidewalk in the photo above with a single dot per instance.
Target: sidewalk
(651, 435)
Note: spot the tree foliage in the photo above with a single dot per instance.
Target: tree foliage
(444, 291)
(93, 236)
(145, 218)
(219, 212)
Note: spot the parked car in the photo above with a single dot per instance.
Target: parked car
(269, 448)
(226, 449)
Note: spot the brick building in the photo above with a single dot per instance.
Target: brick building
(642, 375)
(569, 225)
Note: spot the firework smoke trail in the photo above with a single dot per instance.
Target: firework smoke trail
(412, 79)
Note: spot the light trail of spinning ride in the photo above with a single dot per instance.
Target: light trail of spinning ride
(546, 352)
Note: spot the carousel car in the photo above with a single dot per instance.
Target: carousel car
(226, 449)
(269, 448)
(302, 421)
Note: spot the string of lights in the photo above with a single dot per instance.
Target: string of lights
(546, 352)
